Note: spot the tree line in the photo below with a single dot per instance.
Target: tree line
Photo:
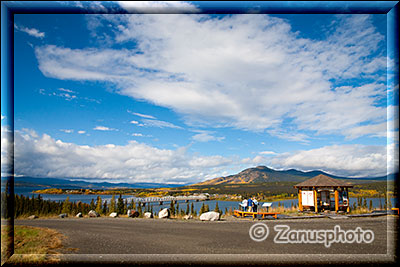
(36, 205)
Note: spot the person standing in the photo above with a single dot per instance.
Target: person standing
(250, 205)
(244, 204)
(255, 204)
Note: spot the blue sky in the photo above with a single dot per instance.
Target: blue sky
(184, 97)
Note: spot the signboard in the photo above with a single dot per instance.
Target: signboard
(307, 198)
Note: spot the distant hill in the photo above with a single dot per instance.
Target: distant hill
(262, 174)
(72, 184)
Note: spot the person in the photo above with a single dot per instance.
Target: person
(244, 204)
(250, 205)
(255, 204)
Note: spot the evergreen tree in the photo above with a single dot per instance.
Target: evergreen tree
(172, 208)
(370, 204)
(99, 208)
(125, 206)
(187, 209)
(365, 203)
(92, 206)
(217, 208)
(177, 208)
(112, 204)
(65, 206)
(206, 208)
(140, 211)
(192, 209)
(202, 209)
(105, 207)
(120, 205)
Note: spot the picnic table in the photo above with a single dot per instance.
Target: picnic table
(239, 213)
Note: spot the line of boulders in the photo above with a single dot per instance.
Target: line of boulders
(163, 214)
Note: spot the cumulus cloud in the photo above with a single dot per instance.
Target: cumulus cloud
(251, 72)
(206, 136)
(43, 156)
(343, 160)
(31, 31)
(81, 132)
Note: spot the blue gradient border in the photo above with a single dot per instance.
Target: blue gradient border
(9, 8)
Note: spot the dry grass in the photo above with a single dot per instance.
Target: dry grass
(32, 245)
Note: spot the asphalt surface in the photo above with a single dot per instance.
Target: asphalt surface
(99, 238)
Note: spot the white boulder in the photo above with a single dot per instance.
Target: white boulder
(209, 216)
(79, 214)
(148, 215)
(92, 213)
(164, 213)
(188, 217)
(114, 214)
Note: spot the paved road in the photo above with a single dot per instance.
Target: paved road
(92, 237)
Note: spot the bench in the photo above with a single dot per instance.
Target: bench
(239, 213)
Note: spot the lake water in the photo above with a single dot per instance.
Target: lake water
(27, 191)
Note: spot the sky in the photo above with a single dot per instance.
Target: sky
(181, 98)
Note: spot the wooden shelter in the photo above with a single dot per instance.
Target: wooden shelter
(323, 193)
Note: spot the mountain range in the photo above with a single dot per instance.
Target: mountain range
(262, 174)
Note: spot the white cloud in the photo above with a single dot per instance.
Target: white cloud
(67, 130)
(206, 136)
(31, 31)
(268, 153)
(142, 115)
(158, 6)
(134, 122)
(3, 117)
(104, 128)
(252, 72)
(81, 132)
(159, 124)
(66, 90)
(67, 94)
(137, 134)
(44, 156)
(343, 160)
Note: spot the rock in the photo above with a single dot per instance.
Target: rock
(79, 214)
(210, 216)
(63, 215)
(188, 217)
(164, 213)
(32, 217)
(92, 213)
(114, 214)
(133, 213)
(148, 215)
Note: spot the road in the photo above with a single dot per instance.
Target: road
(99, 238)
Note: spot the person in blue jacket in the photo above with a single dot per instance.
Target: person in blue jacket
(250, 204)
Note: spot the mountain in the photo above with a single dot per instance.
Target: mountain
(73, 184)
(262, 174)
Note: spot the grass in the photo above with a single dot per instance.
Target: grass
(32, 245)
